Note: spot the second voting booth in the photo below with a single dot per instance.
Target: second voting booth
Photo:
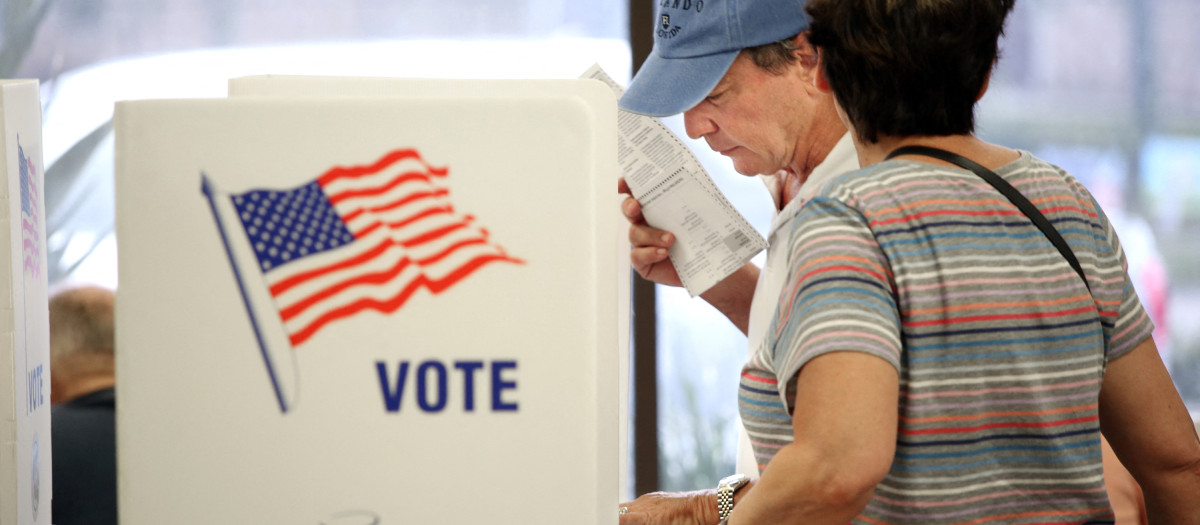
(369, 310)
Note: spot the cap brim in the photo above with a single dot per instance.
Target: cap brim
(667, 86)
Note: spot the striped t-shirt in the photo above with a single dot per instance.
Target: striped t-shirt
(996, 339)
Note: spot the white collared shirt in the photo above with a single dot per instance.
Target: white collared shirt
(842, 159)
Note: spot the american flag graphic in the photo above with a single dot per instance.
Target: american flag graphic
(360, 238)
(30, 227)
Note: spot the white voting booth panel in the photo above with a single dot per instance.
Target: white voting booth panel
(367, 310)
(25, 455)
(302, 86)
(24, 333)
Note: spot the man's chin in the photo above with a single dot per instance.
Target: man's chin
(750, 170)
(749, 167)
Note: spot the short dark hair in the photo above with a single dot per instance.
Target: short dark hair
(908, 67)
(775, 56)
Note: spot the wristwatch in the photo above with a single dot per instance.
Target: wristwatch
(728, 486)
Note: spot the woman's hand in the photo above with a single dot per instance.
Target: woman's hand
(672, 508)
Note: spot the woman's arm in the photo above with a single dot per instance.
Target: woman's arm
(1149, 428)
(845, 439)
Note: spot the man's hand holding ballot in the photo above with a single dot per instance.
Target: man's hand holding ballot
(709, 238)
(649, 255)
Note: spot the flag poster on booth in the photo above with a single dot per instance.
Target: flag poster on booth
(367, 311)
(25, 451)
(355, 239)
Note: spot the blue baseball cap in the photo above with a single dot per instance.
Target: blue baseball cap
(695, 42)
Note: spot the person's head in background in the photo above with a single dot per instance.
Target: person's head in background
(741, 72)
(81, 342)
(907, 68)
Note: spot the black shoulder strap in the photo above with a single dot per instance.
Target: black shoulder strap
(1008, 190)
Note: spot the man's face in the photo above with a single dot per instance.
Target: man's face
(754, 117)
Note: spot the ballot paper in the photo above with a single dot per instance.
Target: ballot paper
(712, 239)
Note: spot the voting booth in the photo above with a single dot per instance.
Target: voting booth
(305, 86)
(369, 310)
(25, 452)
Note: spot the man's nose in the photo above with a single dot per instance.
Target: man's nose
(697, 123)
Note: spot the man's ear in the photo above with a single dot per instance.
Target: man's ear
(801, 45)
(819, 79)
(803, 50)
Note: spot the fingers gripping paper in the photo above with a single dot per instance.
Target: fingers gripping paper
(677, 195)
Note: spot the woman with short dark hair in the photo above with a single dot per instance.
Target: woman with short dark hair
(958, 307)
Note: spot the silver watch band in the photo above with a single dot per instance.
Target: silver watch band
(724, 502)
(725, 491)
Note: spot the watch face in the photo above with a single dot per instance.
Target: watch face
(734, 480)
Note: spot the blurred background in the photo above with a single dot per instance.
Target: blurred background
(1108, 89)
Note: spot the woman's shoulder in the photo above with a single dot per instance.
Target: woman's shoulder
(882, 180)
